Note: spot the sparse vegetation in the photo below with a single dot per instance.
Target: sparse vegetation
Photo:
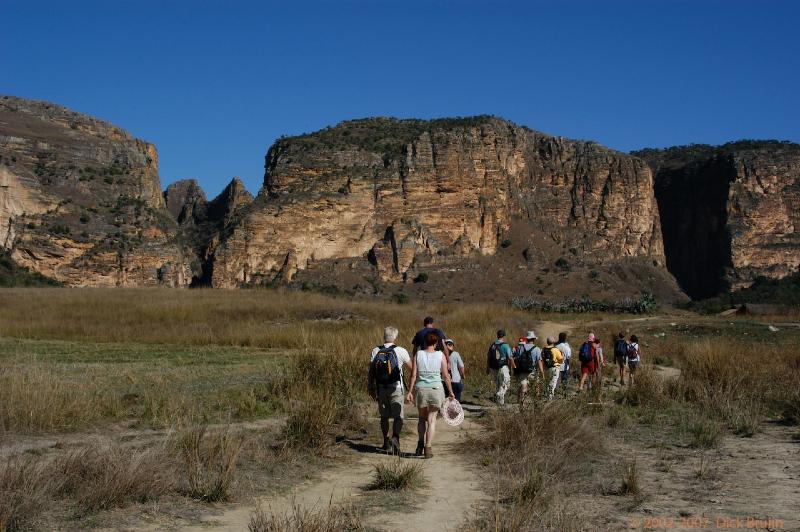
(199, 357)
(396, 475)
(209, 461)
(630, 479)
(326, 519)
(646, 303)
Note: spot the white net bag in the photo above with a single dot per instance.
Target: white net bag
(452, 413)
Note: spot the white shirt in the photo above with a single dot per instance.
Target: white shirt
(403, 358)
(566, 350)
(455, 363)
(635, 346)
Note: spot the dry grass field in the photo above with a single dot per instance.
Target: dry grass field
(156, 408)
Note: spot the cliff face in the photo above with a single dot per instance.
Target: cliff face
(407, 194)
(730, 213)
(81, 200)
(203, 223)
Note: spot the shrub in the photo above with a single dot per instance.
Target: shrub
(24, 490)
(400, 298)
(421, 278)
(505, 243)
(102, 479)
(645, 304)
(85, 219)
(311, 422)
(562, 264)
(209, 461)
(705, 432)
(330, 519)
(396, 475)
(630, 479)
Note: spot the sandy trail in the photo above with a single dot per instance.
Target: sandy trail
(452, 487)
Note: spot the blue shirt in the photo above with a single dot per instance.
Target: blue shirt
(419, 339)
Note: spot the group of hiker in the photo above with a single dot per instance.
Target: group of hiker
(437, 372)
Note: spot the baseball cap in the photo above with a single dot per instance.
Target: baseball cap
(450, 341)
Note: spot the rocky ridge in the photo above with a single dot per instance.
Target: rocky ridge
(478, 207)
(730, 213)
(411, 194)
(81, 200)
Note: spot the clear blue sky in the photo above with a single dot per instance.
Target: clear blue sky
(213, 84)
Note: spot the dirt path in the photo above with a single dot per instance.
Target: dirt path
(452, 488)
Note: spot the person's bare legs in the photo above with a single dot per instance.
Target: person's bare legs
(522, 393)
(621, 375)
(431, 432)
(422, 425)
(583, 380)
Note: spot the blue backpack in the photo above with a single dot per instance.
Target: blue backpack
(585, 354)
(385, 366)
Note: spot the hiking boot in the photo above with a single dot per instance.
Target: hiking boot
(420, 448)
(428, 452)
(395, 444)
(387, 444)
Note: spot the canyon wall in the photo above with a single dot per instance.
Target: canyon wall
(730, 213)
(405, 193)
(81, 200)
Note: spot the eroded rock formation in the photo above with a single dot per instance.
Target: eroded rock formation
(406, 193)
(729, 213)
(81, 200)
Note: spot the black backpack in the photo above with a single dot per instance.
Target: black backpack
(524, 359)
(385, 366)
(621, 349)
(494, 357)
(547, 357)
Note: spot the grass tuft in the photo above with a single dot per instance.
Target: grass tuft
(630, 479)
(209, 461)
(330, 519)
(396, 475)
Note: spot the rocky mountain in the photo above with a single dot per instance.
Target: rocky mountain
(81, 200)
(452, 209)
(413, 196)
(730, 213)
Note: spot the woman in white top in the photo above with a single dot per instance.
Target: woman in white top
(428, 369)
(634, 357)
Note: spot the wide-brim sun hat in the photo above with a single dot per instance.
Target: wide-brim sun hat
(531, 336)
(452, 412)
(450, 341)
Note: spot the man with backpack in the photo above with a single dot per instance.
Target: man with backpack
(588, 358)
(529, 367)
(386, 386)
(498, 359)
(621, 356)
(566, 350)
(552, 359)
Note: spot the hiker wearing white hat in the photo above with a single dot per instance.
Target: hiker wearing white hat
(457, 372)
(529, 367)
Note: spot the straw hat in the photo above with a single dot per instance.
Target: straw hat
(452, 413)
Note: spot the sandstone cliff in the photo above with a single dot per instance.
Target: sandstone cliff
(409, 195)
(81, 200)
(730, 213)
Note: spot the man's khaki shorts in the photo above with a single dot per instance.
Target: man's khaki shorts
(390, 402)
